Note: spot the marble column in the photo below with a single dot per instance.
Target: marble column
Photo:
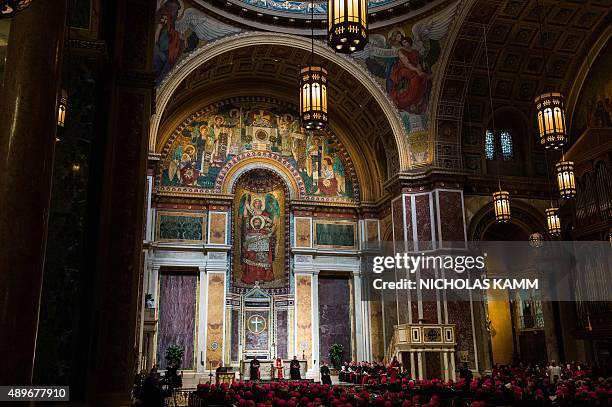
(129, 25)
(28, 112)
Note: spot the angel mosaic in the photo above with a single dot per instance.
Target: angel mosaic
(405, 60)
(260, 216)
(180, 30)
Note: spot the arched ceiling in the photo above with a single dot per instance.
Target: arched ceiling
(271, 70)
(520, 68)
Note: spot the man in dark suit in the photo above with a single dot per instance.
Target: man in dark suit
(294, 369)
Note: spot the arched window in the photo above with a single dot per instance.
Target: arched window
(503, 141)
(506, 145)
(489, 145)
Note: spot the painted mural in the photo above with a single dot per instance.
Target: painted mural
(209, 140)
(335, 234)
(594, 108)
(180, 227)
(259, 232)
(181, 29)
(403, 59)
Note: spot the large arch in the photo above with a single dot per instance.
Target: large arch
(183, 69)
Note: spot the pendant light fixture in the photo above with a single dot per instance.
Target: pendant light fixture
(61, 110)
(347, 27)
(553, 222)
(550, 107)
(536, 240)
(501, 204)
(501, 198)
(313, 90)
(551, 120)
(566, 179)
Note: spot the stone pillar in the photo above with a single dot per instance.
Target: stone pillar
(216, 268)
(360, 323)
(304, 310)
(314, 364)
(202, 320)
(28, 112)
(122, 203)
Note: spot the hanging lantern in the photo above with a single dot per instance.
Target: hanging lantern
(536, 240)
(551, 120)
(501, 204)
(347, 29)
(566, 179)
(61, 110)
(8, 8)
(553, 222)
(313, 97)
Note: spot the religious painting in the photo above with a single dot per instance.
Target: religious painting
(594, 108)
(181, 28)
(371, 229)
(303, 228)
(404, 59)
(335, 234)
(259, 232)
(217, 228)
(206, 142)
(180, 227)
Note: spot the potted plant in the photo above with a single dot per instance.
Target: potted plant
(174, 356)
(336, 353)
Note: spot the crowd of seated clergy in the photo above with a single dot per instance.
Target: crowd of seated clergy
(507, 386)
(369, 372)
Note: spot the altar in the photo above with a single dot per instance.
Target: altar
(265, 369)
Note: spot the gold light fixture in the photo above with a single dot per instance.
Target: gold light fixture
(566, 179)
(501, 204)
(313, 97)
(62, 106)
(347, 29)
(313, 90)
(553, 222)
(536, 240)
(551, 120)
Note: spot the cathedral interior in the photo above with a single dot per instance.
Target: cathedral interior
(212, 177)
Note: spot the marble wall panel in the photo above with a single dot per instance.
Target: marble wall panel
(303, 289)
(281, 334)
(177, 316)
(451, 216)
(334, 316)
(216, 311)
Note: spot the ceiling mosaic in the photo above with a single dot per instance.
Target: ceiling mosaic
(220, 136)
(303, 7)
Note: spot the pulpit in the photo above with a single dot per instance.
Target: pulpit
(224, 375)
(426, 350)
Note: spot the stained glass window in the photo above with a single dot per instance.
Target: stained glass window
(489, 145)
(506, 145)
